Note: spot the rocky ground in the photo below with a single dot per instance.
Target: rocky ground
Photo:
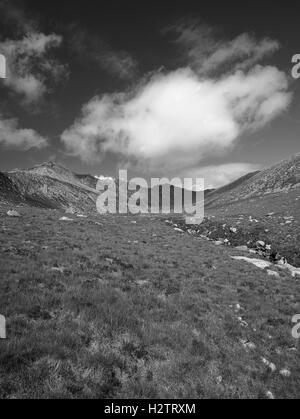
(137, 307)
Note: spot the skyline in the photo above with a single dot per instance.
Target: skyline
(166, 91)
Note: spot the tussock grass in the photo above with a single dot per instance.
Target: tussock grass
(153, 319)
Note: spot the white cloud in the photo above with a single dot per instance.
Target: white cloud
(174, 120)
(29, 67)
(12, 136)
(177, 119)
(216, 176)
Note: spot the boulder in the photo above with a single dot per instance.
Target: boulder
(13, 213)
(285, 373)
(260, 243)
(274, 274)
(2, 327)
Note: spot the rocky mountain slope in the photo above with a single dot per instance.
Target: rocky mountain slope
(51, 186)
(56, 171)
(8, 190)
(282, 177)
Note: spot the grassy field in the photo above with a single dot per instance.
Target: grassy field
(126, 307)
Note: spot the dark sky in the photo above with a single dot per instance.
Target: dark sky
(96, 34)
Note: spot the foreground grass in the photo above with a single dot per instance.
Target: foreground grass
(108, 308)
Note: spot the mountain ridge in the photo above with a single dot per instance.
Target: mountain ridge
(279, 178)
(51, 185)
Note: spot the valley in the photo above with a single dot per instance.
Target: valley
(112, 306)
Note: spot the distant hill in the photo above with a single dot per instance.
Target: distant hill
(282, 177)
(51, 186)
(56, 171)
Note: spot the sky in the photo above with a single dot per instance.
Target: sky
(163, 89)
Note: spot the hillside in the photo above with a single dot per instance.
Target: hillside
(282, 177)
(56, 171)
(259, 207)
(50, 186)
(8, 190)
(233, 185)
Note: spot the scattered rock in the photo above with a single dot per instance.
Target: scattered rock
(13, 213)
(243, 323)
(282, 264)
(65, 219)
(260, 243)
(285, 373)
(270, 395)
(275, 257)
(178, 230)
(219, 379)
(269, 364)
(274, 274)
(248, 345)
(61, 270)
